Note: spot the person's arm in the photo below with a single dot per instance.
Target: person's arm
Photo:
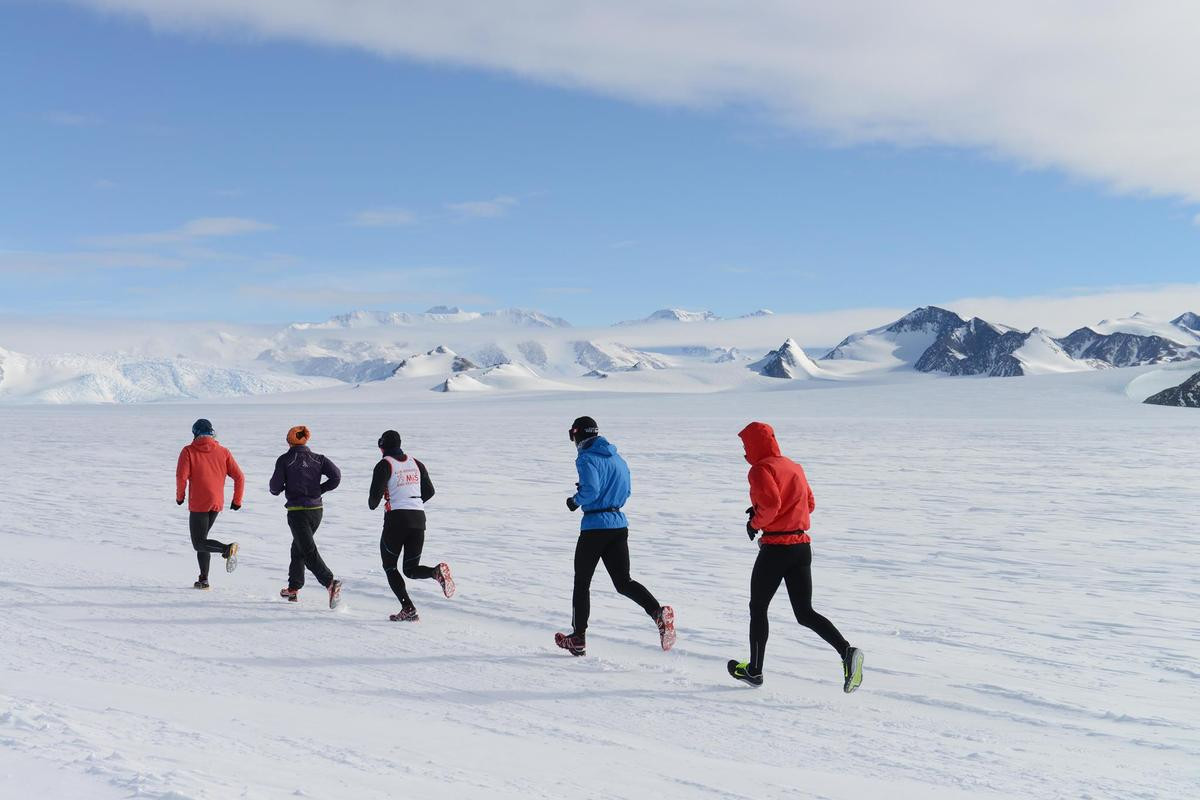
(812, 501)
(764, 496)
(589, 482)
(239, 480)
(333, 476)
(279, 477)
(427, 490)
(379, 482)
(183, 471)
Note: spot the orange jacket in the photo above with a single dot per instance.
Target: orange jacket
(779, 490)
(205, 464)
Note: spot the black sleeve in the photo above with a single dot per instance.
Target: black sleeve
(379, 482)
(426, 484)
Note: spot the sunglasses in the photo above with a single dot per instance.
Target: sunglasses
(573, 432)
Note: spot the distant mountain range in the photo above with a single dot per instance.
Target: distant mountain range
(933, 339)
(455, 350)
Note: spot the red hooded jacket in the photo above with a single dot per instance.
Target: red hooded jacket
(205, 464)
(779, 490)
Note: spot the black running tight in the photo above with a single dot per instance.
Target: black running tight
(790, 564)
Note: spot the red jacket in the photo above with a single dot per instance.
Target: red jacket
(779, 490)
(205, 464)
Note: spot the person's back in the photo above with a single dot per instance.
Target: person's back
(299, 475)
(783, 500)
(604, 485)
(203, 467)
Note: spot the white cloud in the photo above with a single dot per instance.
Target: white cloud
(191, 231)
(383, 218)
(43, 262)
(496, 207)
(1104, 91)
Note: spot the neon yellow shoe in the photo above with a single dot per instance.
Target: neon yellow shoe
(852, 666)
(741, 671)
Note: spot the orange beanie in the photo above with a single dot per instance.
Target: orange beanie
(299, 435)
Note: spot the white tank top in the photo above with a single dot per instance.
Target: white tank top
(404, 487)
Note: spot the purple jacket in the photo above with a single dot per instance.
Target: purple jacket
(298, 472)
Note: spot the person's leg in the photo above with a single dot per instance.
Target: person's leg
(390, 545)
(799, 586)
(587, 556)
(199, 524)
(304, 526)
(616, 561)
(764, 582)
(414, 544)
(296, 555)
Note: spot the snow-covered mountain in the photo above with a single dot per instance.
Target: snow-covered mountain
(515, 317)
(675, 315)
(951, 345)
(441, 360)
(1139, 324)
(123, 379)
(900, 343)
(1186, 394)
(515, 350)
(788, 362)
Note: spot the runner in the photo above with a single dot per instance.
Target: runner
(200, 477)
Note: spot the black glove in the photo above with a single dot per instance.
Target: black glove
(179, 502)
(751, 531)
(571, 504)
(235, 507)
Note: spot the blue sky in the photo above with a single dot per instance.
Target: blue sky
(210, 175)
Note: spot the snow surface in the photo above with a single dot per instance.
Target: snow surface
(1017, 559)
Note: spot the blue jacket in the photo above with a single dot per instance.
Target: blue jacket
(603, 483)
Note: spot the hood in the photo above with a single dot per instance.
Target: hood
(759, 440)
(396, 453)
(599, 446)
(205, 443)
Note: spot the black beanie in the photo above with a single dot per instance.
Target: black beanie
(389, 441)
(583, 429)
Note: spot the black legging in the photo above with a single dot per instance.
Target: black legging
(397, 539)
(791, 563)
(612, 547)
(304, 523)
(200, 523)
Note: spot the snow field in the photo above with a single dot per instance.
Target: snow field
(1016, 558)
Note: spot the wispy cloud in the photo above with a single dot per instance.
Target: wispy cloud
(1108, 100)
(191, 231)
(389, 217)
(496, 207)
(42, 262)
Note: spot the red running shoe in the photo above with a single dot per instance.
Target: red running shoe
(335, 593)
(407, 613)
(573, 643)
(442, 575)
(666, 627)
(291, 595)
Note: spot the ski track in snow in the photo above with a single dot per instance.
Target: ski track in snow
(1023, 586)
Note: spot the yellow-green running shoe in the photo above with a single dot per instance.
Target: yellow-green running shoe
(852, 665)
(741, 671)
